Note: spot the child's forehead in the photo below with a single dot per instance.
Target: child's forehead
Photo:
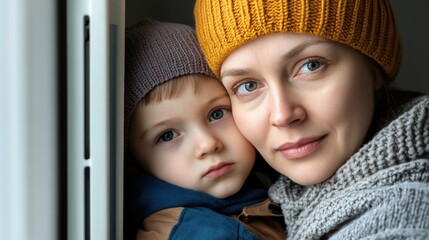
(176, 87)
(187, 106)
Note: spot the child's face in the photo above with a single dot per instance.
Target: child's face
(192, 141)
(304, 102)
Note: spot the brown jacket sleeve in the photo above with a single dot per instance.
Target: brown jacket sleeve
(159, 224)
(265, 219)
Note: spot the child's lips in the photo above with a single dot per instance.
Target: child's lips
(218, 170)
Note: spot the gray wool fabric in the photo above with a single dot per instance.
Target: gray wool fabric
(381, 192)
(156, 52)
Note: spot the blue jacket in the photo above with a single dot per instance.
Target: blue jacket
(199, 215)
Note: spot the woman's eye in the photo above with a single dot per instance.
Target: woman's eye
(217, 114)
(247, 87)
(311, 66)
(167, 136)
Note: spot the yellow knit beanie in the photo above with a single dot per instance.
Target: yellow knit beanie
(366, 25)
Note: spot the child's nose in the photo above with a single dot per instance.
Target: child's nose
(206, 144)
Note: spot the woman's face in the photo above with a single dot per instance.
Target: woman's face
(306, 103)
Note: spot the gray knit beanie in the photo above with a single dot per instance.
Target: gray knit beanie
(156, 52)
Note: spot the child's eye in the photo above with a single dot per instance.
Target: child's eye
(217, 114)
(167, 136)
(311, 65)
(246, 87)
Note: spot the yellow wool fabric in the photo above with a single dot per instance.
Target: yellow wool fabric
(366, 25)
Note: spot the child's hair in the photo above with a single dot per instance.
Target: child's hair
(368, 26)
(173, 88)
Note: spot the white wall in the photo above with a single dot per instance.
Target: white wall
(28, 120)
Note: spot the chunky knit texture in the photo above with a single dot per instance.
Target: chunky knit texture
(366, 25)
(382, 192)
(156, 52)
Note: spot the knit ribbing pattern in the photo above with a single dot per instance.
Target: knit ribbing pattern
(156, 52)
(366, 25)
(385, 185)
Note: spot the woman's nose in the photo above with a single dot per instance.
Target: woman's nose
(206, 143)
(286, 111)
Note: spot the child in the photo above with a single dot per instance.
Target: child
(308, 82)
(196, 181)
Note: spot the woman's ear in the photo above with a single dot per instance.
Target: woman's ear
(378, 76)
(378, 80)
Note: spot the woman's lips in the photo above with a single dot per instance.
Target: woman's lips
(301, 148)
(218, 170)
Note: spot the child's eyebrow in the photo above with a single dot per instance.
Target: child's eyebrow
(161, 123)
(220, 96)
(171, 121)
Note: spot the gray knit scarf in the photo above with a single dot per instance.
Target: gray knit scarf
(382, 191)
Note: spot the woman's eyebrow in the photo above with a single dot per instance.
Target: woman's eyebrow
(235, 72)
(301, 47)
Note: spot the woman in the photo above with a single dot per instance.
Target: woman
(309, 87)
